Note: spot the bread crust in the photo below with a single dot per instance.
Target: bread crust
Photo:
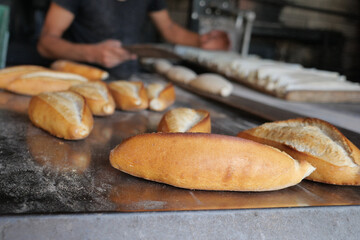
(90, 72)
(208, 162)
(164, 100)
(126, 101)
(203, 125)
(97, 97)
(44, 81)
(44, 115)
(326, 172)
(9, 74)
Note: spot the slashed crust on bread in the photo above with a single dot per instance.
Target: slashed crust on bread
(130, 96)
(9, 74)
(185, 120)
(44, 81)
(97, 96)
(160, 96)
(318, 142)
(90, 72)
(62, 114)
(208, 162)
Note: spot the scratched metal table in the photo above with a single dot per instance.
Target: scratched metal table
(56, 189)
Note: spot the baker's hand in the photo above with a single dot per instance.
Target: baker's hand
(110, 53)
(215, 40)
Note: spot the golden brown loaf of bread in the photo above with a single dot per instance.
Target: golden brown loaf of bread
(97, 97)
(62, 114)
(89, 72)
(185, 120)
(321, 144)
(129, 96)
(160, 96)
(9, 74)
(208, 162)
(44, 81)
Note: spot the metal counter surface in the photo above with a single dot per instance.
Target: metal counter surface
(41, 174)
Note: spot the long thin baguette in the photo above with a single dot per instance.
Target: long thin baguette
(9, 74)
(336, 159)
(97, 97)
(185, 120)
(62, 114)
(90, 72)
(44, 81)
(208, 162)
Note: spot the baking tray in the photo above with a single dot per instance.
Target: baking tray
(43, 174)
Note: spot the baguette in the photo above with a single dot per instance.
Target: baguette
(212, 83)
(180, 74)
(89, 72)
(160, 96)
(129, 96)
(44, 81)
(97, 97)
(9, 74)
(185, 120)
(208, 162)
(62, 114)
(308, 139)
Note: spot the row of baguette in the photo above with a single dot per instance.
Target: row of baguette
(279, 79)
(208, 161)
(208, 82)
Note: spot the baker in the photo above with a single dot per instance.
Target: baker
(94, 32)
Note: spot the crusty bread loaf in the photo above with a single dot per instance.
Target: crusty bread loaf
(180, 74)
(160, 96)
(62, 114)
(161, 66)
(307, 139)
(89, 72)
(97, 97)
(208, 162)
(44, 81)
(129, 96)
(212, 83)
(9, 74)
(185, 120)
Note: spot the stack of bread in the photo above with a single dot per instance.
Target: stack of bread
(283, 80)
(66, 97)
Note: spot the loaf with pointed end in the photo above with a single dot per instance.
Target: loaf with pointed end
(162, 66)
(212, 83)
(129, 96)
(9, 74)
(185, 120)
(89, 72)
(44, 81)
(62, 114)
(97, 97)
(160, 96)
(336, 159)
(208, 162)
(180, 74)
